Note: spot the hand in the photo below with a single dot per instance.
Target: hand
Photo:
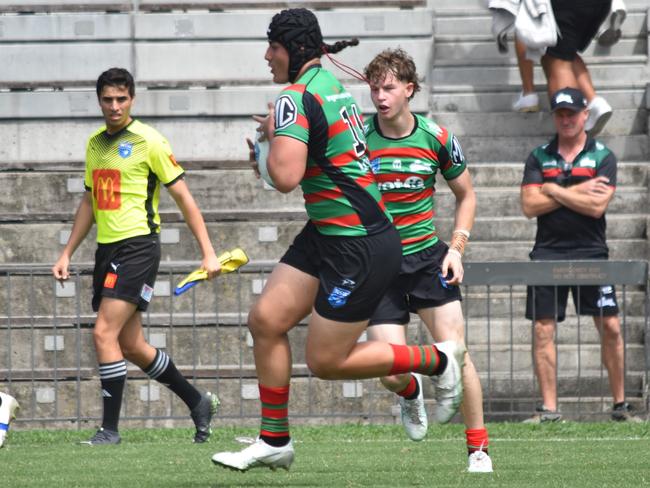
(267, 124)
(212, 265)
(251, 158)
(60, 268)
(452, 263)
(597, 186)
(548, 189)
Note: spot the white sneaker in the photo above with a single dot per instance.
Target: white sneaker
(479, 462)
(257, 455)
(414, 415)
(599, 113)
(611, 35)
(526, 103)
(448, 387)
(8, 410)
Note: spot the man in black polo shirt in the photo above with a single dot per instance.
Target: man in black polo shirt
(567, 185)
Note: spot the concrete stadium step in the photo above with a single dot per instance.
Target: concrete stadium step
(500, 98)
(43, 347)
(53, 6)
(476, 24)
(30, 195)
(459, 51)
(310, 398)
(445, 6)
(623, 122)
(28, 242)
(223, 101)
(608, 74)
(498, 360)
(29, 144)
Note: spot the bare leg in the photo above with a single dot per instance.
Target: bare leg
(525, 68)
(546, 361)
(609, 329)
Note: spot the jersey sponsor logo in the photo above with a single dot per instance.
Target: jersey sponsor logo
(600, 146)
(374, 165)
(125, 149)
(110, 280)
(147, 293)
(173, 160)
(107, 189)
(587, 163)
(549, 164)
(286, 112)
(605, 302)
(115, 266)
(418, 166)
(397, 164)
(410, 183)
(338, 297)
(457, 157)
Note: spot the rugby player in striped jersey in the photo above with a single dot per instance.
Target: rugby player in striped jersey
(341, 263)
(407, 151)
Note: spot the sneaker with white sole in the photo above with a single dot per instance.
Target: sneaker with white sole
(526, 102)
(8, 408)
(448, 386)
(414, 415)
(611, 35)
(103, 437)
(257, 455)
(202, 416)
(599, 113)
(479, 462)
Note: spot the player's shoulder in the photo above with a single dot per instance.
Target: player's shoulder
(96, 133)
(145, 131)
(370, 126)
(433, 129)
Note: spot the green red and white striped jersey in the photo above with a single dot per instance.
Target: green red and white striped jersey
(406, 168)
(340, 192)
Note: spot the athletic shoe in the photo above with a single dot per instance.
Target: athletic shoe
(479, 462)
(543, 415)
(103, 437)
(257, 455)
(612, 33)
(448, 386)
(526, 103)
(599, 113)
(202, 416)
(414, 415)
(623, 413)
(8, 408)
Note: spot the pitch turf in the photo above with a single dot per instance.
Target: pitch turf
(567, 454)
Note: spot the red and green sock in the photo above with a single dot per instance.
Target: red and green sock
(411, 391)
(275, 415)
(427, 360)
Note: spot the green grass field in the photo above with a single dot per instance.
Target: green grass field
(568, 454)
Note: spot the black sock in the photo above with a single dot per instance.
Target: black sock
(276, 441)
(112, 377)
(163, 370)
(443, 363)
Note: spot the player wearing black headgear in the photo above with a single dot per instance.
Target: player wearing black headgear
(343, 260)
(297, 30)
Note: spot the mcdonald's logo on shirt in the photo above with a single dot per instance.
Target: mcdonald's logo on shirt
(107, 189)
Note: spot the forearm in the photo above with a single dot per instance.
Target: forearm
(580, 202)
(196, 224)
(534, 203)
(83, 222)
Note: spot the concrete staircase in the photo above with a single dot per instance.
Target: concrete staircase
(203, 106)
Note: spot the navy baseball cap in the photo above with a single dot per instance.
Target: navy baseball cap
(570, 98)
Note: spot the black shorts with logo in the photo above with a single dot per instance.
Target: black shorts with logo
(354, 272)
(419, 285)
(549, 302)
(127, 270)
(578, 22)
